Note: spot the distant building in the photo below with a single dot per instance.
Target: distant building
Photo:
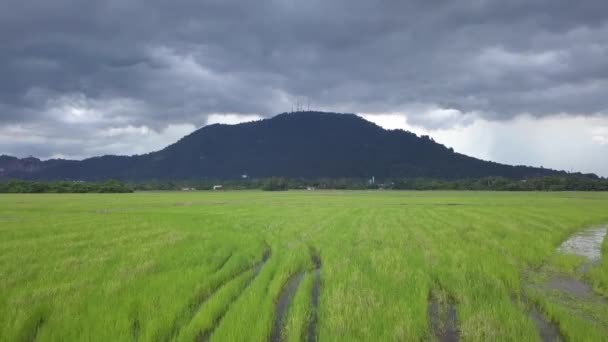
(188, 189)
(311, 188)
(217, 187)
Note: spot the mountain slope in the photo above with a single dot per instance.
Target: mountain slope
(303, 144)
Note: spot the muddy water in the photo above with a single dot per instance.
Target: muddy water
(587, 244)
(569, 285)
(289, 290)
(443, 320)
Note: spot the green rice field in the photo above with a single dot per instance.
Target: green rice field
(301, 266)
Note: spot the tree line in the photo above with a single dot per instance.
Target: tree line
(548, 183)
(23, 186)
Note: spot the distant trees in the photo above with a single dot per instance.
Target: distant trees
(21, 186)
(275, 184)
(549, 183)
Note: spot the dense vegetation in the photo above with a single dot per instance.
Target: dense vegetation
(551, 183)
(275, 184)
(303, 144)
(212, 265)
(20, 186)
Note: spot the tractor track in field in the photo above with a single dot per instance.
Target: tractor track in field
(199, 300)
(223, 263)
(548, 331)
(443, 319)
(32, 328)
(285, 298)
(206, 335)
(316, 291)
(282, 306)
(135, 329)
(37, 327)
(587, 244)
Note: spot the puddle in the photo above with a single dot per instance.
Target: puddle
(569, 285)
(443, 318)
(587, 244)
(287, 293)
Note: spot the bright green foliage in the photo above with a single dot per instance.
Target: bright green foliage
(196, 265)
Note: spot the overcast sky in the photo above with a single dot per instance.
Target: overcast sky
(516, 81)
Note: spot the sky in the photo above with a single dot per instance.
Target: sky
(514, 81)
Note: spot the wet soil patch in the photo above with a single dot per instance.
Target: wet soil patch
(587, 244)
(443, 320)
(282, 306)
(570, 285)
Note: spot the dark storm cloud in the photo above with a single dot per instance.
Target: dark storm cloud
(122, 63)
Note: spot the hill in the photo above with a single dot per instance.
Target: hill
(302, 144)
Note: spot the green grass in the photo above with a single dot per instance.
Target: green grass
(182, 266)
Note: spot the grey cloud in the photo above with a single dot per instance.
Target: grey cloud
(156, 63)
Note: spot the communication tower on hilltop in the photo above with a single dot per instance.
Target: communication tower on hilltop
(299, 106)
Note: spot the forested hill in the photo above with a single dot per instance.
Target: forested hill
(302, 144)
